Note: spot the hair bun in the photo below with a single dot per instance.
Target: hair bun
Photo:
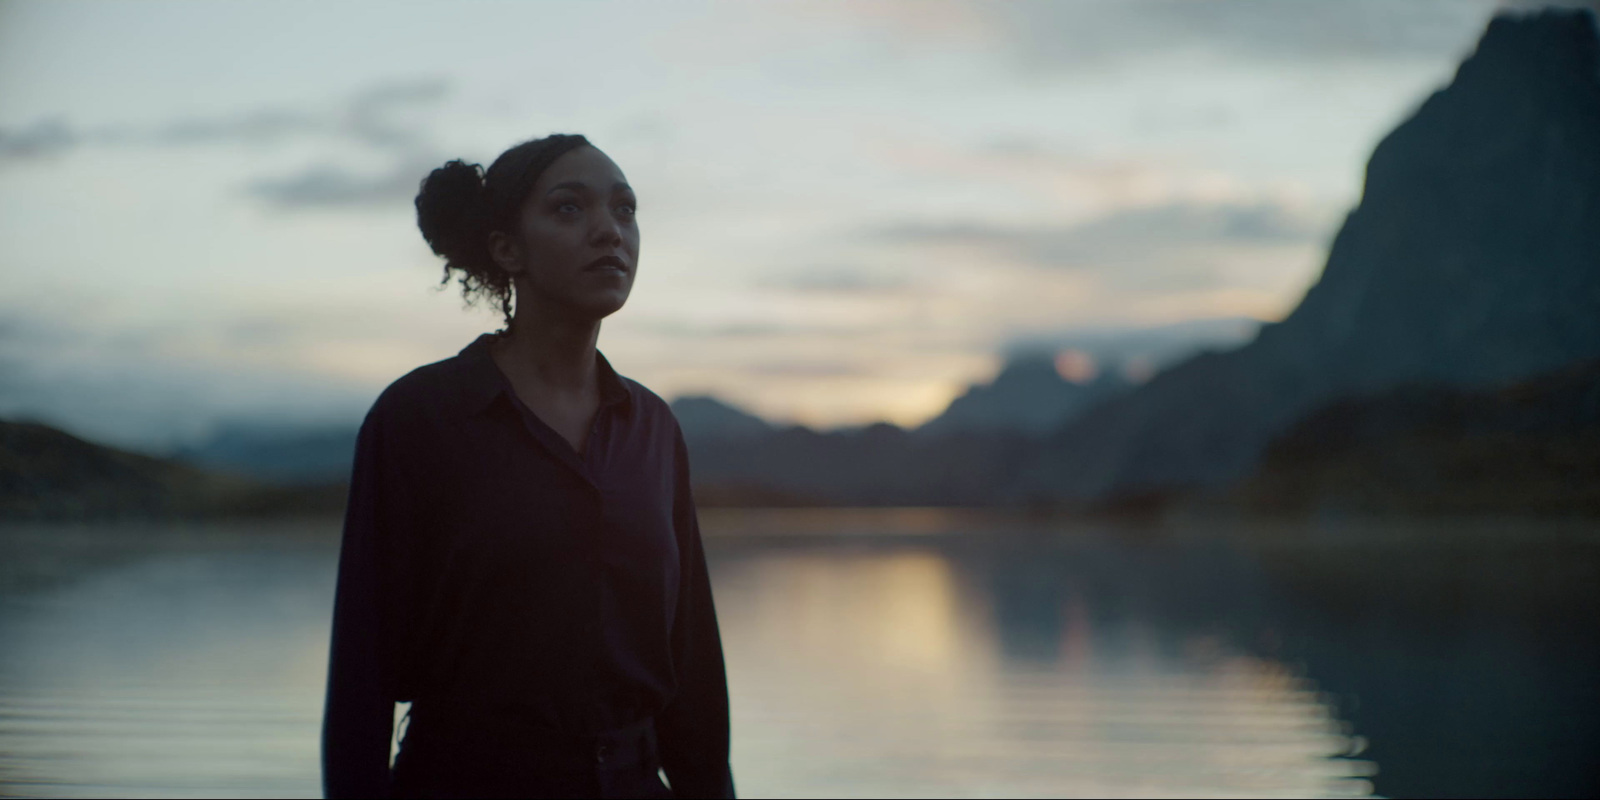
(459, 204)
(451, 213)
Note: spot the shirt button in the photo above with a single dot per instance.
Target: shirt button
(600, 752)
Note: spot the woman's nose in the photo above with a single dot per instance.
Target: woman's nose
(606, 232)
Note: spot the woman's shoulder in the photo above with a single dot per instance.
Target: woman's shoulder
(647, 400)
(435, 391)
(648, 404)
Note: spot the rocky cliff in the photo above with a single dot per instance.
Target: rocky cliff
(1473, 259)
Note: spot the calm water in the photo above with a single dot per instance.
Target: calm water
(899, 653)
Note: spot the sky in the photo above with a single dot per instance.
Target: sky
(849, 211)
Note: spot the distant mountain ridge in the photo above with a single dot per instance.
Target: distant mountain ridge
(282, 453)
(1028, 396)
(703, 417)
(48, 474)
(1472, 260)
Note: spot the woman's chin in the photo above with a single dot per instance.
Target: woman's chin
(602, 304)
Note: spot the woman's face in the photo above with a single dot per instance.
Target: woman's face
(576, 245)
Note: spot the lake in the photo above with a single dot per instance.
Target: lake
(891, 652)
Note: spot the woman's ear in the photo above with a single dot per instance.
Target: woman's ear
(506, 251)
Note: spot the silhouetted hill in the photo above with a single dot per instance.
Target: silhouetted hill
(971, 454)
(48, 474)
(880, 465)
(282, 454)
(1028, 396)
(1531, 448)
(703, 417)
(1472, 260)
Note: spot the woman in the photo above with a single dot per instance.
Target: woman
(521, 558)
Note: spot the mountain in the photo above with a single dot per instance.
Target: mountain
(1028, 396)
(283, 454)
(1144, 349)
(879, 465)
(704, 418)
(1472, 260)
(1530, 448)
(48, 474)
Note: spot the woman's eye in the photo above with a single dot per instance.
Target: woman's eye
(627, 210)
(567, 208)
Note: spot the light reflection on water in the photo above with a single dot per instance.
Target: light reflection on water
(879, 674)
(903, 654)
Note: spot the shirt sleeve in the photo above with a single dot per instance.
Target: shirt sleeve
(368, 617)
(692, 731)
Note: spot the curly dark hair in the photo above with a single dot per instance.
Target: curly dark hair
(459, 205)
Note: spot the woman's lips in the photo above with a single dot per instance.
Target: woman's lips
(608, 264)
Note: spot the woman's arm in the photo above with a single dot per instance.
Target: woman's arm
(692, 730)
(358, 717)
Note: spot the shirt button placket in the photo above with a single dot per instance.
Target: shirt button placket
(597, 570)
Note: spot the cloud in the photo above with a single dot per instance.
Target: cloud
(807, 369)
(1155, 345)
(1187, 222)
(330, 186)
(45, 138)
(372, 116)
(1049, 36)
(740, 331)
(1132, 235)
(127, 386)
(369, 116)
(265, 126)
(841, 280)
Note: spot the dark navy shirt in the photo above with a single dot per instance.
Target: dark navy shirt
(486, 563)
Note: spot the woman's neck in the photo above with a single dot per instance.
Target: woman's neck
(556, 353)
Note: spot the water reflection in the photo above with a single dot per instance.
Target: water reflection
(1002, 668)
(883, 653)
(1468, 660)
(153, 663)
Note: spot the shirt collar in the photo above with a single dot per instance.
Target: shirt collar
(483, 381)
